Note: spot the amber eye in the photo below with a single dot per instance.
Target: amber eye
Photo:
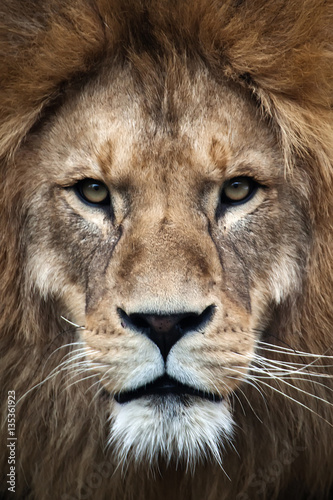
(93, 192)
(238, 190)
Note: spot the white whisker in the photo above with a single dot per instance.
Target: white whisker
(71, 323)
(292, 352)
(297, 402)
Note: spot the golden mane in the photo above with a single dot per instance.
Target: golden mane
(280, 52)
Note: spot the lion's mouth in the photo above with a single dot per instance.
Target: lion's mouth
(165, 386)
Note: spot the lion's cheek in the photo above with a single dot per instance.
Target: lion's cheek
(47, 273)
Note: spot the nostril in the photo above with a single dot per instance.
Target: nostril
(197, 322)
(138, 321)
(134, 321)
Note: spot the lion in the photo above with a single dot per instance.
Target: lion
(166, 250)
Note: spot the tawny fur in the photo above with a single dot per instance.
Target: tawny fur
(278, 52)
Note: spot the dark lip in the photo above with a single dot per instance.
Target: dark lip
(164, 386)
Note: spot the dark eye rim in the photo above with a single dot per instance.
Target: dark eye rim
(254, 186)
(78, 189)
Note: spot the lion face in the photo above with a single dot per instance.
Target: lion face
(167, 230)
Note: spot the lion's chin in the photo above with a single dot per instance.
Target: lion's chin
(185, 429)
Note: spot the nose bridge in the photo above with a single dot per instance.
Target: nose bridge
(166, 263)
(174, 243)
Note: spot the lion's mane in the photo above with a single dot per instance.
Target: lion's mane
(280, 51)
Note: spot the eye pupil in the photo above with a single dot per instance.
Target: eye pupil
(93, 192)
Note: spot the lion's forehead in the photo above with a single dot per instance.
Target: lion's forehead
(202, 130)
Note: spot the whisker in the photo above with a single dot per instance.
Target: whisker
(293, 367)
(71, 323)
(79, 381)
(293, 352)
(297, 402)
(253, 384)
(56, 371)
(304, 392)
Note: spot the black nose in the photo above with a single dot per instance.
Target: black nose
(166, 329)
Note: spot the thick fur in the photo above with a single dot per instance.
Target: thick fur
(167, 69)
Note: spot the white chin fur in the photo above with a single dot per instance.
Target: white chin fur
(151, 427)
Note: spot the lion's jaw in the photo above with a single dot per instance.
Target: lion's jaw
(167, 249)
